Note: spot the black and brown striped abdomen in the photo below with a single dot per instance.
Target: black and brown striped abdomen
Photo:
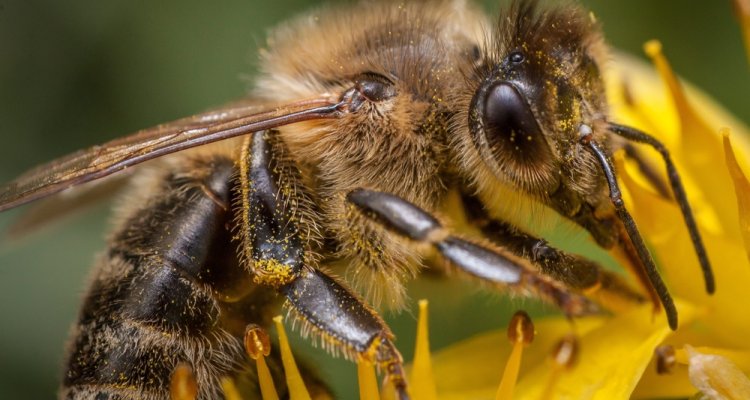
(169, 290)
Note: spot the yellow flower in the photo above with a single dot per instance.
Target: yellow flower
(615, 357)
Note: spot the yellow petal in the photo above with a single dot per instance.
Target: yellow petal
(486, 355)
(741, 189)
(716, 376)
(612, 358)
(740, 358)
(695, 146)
(700, 146)
(656, 225)
(368, 383)
(677, 383)
(657, 219)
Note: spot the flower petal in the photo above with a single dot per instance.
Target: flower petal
(717, 376)
(612, 358)
(656, 218)
(638, 99)
(741, 189)
(677, 383)
(472, 368)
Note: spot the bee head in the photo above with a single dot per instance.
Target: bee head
(536, 85)
(531, 92)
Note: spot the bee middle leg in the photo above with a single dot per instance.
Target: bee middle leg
(576, 272)
(490, 264)
(276, 251)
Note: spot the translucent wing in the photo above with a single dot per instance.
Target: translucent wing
(99, 161)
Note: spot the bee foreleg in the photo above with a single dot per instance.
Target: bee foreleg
(493, 265)
(574, 271)
(276, 253)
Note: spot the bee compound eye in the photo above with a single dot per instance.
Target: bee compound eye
(507, 114)
(375, 87)
(509, 125)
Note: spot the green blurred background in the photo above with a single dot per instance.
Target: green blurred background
(79, 72)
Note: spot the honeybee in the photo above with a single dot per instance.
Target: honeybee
(364, 123)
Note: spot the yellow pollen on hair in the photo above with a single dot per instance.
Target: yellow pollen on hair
(272, 273)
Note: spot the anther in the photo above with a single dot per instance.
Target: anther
(257, 342)
(183, 385)
(258, 346)
(565, 353)
(564, 357)
(521, 329)
(665, 359)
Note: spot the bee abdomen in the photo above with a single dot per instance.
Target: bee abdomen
(156, 297)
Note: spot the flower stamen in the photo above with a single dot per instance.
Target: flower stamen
(564, 357)
(258, 347)
(422, 381)
(665, 359)
(520, 334)
(297, 388)
(229, 388)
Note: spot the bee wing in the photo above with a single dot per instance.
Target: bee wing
(239, 118)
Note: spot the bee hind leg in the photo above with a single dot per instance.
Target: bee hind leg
(276, 253)
(494, 265)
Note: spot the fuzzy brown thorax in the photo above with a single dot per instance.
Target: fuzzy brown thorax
(395, 144)
(396, 141)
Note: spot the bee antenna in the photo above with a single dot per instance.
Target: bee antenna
(678, 190)
(615, 196)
